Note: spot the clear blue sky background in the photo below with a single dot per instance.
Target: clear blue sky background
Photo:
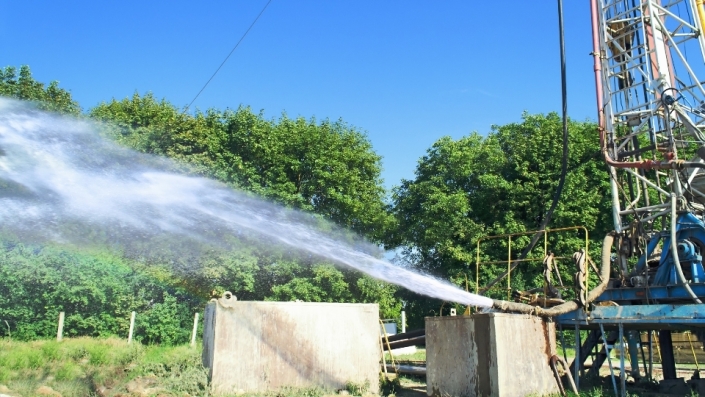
(406, 72)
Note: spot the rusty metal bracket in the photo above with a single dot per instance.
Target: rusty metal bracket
(553, 361)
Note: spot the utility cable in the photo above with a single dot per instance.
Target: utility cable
(564, 162)
(231, 53)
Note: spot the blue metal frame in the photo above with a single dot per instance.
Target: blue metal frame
(659, 316)
(652, 293)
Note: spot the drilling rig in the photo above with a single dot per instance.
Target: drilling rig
(651, 120)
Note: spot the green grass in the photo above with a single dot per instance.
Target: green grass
(110, 367)
(419, 355)
(90, 367)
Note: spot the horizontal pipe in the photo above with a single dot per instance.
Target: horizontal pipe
(406, 335)
(407, 369)
(417, 341)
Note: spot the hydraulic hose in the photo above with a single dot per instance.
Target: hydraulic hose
(564, 161)
(674, 251)
(570, 305)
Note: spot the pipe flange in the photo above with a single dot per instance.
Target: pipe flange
(228, 299)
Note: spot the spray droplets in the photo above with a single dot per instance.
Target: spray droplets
(60, 181)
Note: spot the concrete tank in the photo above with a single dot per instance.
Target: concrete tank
(264, 346)
(489, 354)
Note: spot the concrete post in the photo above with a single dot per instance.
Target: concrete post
(60, 330)
(195, 329)
(132, 327)
(403, 321)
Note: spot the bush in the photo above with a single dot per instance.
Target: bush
(163, 323)
(97, 293)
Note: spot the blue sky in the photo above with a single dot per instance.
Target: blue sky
(406, 72)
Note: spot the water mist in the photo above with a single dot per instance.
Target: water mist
(61, 181)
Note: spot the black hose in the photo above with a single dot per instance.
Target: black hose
(564, 161)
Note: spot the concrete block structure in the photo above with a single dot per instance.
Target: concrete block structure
(263, 346)
(489, 354)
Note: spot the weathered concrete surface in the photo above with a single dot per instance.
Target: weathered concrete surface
(262, 346)
(492, 354)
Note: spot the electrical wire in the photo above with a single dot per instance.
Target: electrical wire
(226, 58)
(564, 161)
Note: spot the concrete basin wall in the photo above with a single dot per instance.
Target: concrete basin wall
(264, 346)
(489, 354)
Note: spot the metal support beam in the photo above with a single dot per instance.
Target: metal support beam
(668, 362)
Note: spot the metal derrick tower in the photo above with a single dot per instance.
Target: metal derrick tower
(651, 120)
(651, 115)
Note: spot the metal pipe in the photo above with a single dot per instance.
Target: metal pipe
(419, 340)
(648, 182)
(577, 355)
(622, 374)
(407, 335)
(597, 68)
(570, 305)
(555, 359)
(407, 369)
(700, 9)
(609, 360)
(674, 251)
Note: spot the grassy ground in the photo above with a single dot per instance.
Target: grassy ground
(111, 368)
(99, 367)
(419, 355)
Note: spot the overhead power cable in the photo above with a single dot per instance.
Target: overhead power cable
(564, 162)
(231, 53)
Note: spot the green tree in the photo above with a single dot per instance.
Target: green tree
(503, 183)
(24, 87)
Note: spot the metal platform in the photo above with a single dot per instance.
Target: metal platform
(638, 317)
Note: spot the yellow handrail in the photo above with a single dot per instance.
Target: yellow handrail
(509, 261)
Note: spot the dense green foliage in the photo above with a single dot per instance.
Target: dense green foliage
(96, 291)
(24, 87)
(327, 168)
(463, 190)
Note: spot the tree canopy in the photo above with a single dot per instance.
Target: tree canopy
(502, 183)
(325, 167)
(23, 86)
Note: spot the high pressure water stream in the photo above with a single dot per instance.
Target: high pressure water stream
(62, 182)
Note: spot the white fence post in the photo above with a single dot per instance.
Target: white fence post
(132, 327)
(195, 329)
(60, 330)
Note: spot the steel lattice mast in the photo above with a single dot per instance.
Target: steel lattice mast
(651, 107)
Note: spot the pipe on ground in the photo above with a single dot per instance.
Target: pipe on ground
(406, 335)
(571, 305)
(407, 369)
(416, 341)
